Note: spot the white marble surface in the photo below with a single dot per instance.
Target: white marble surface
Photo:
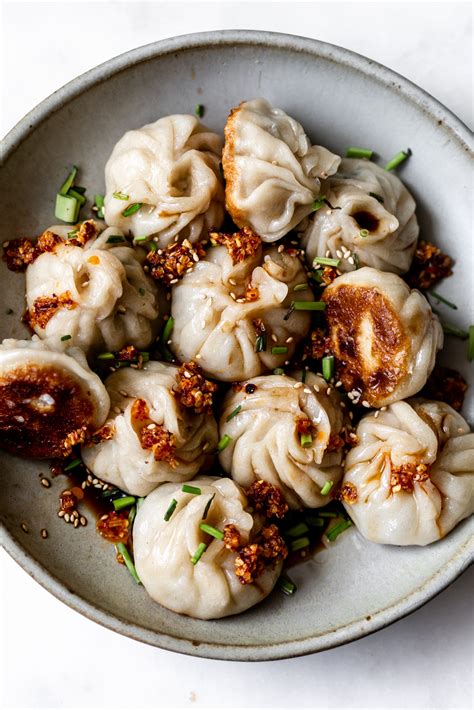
(51, 656)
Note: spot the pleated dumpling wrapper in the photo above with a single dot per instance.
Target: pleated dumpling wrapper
(163, 181)
(410, 479)
(50, 400)
(384, 335)
(91, 286)
(152, 435)
(192, 572)
(273, 173)
(368, 212)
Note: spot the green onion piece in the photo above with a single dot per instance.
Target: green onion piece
(141, 291)
(114, 493)
(453, 330)
(199, 110)
(137, 240)
(65, 337)
(71, 235)
(297, 530)
(99, 205)
(379, 198)
(73, 464)
(279, 350)
(301, 287)
(398, 159)
(317, 276)
(443, 300)
(169, 325)
(356, 260)
(69, 182)
(306, 440)
(78, 196)
(115, 239)
(121, 196)
(317, 204)
(327, 514)
(120, 547)
(286, 585)
(140, 501)
(153, 246)
(338, 529)
(145, 355)
(171, 509)
(131, 515)
(326, 489)
(81, 190)
(315, 521)
(364, 233)
(303, 375)
(120, 503)
(218, 534)
(261, 343)
(278, 371)
(131, 209)
(289, 311)
(299, 544)
(191, 489)
(470, 347)
(328, 367)
(309, 305)
(67, 208)
(325, 261)
(234, 413)
(199, 553)
(208, 505)
(224, 442)
(359, 153)
(106, 356)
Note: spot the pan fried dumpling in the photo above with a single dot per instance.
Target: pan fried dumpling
(149, 437)
(170, 169)
(265, 436)
(384, 335)
(50, 400)
(410, 479)
(363, 196)
(93, 288)
(271, 169)
(229, 299)
(222, 582)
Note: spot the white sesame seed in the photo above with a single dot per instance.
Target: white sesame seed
(61, 513)
(316, 388)
(187, 374)
(297, 385)
(376, 414)
(287, 362)
(281, 248)
(274, 338)
(289, 340)
(328, 253)
(233, 282)
(24, 527)
(76, 522)
(329, 390)
(122, 309)
(95, 480)
(83, 521)
(123, 393)
(338, 384)
(44, 533)
(173, 281)
(339, 253)
(343, 405)
(6, 244)
(84, 485)
(232, 295)
(66, 517)
(365, 403)
(383, 409)
(198, 357)
(351, 260)
(307, 391)
(117, 410)
(46, 483)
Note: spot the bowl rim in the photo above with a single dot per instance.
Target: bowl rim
(434, 110)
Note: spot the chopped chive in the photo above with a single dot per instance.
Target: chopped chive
(364, 233)
(208, 505)
(224, 442)
(80, 189)
(199, 553)
(65, 337)
(317, 276)
(354, 152)
(317, 204)
(73, 464)
(153, 246)
(126, 502)
(234, 413)
(443, 300)
(114, 493)
(171, 509)
(297, 530)
(289, 311)
(72, 234)
(328, 367)
(131, 209)
(301, 287)
(115, 239)
(131, 515)
(398, 159)
(279, 350)
(120, 547)
(78, 196)
(315, 521)
(309, 305)
(165, 336)
(69, 182)
(338, 529)
(306, 440)
(218, 534)
(106, 356)
(325, 490)
(191, 489)
(327, 514)
(121, 196)
(67, 208)
(140, 501)
(453, 330)
(299, 544)
(99, 205)
(261, 343)
(303, 375)
(379, 198)
(137, 240)
(356, 260)
(278, 371)
(199, 110)
(325, 261)
(141, 291)
(286, 585)
(470, 347)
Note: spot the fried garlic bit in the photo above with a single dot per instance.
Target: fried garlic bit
(193, 390)
(262, 554)
(240, 245)
(170, 264)
(266, 498)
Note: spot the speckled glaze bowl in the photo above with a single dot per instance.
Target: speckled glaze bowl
(342, 99)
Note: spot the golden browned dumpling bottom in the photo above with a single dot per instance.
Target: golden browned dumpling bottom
(43, 412)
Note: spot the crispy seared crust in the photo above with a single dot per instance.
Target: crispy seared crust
(349, 310)
(31, 424)
(230, 171)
